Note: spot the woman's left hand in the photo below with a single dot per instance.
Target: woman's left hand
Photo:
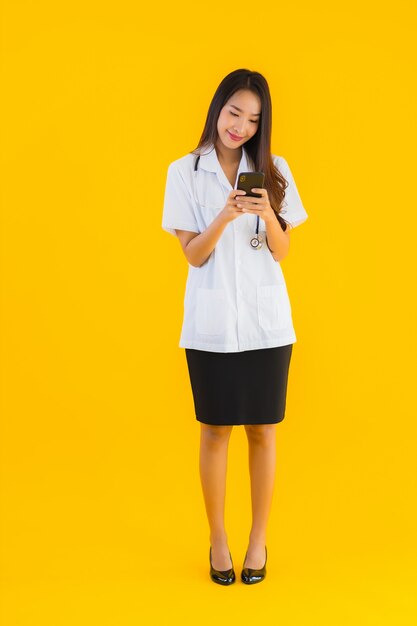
(257, 206)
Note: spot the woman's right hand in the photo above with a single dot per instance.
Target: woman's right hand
(231, 211)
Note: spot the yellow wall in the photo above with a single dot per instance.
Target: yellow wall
(99, 439)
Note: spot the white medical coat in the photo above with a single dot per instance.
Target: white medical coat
(237, 300)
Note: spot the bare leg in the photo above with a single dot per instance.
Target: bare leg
(262, 461)
(214, 444)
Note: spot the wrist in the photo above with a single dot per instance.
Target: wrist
(223, 217)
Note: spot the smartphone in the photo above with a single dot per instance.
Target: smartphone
(247, 180)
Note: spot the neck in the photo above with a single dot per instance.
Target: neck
(228, 156)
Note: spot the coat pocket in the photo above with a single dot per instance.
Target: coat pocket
(211, 311)
(274, 308)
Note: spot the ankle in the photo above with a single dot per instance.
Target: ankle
(257, 539)
(218, 539)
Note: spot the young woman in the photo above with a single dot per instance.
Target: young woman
(237, 329)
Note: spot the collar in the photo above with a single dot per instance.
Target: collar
(209, 161)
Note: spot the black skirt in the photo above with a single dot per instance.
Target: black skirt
(233, 388)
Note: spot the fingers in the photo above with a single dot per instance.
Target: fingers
(236, 193)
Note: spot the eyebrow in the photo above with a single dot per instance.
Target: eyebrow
(232, 105)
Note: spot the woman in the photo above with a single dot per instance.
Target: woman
(237, 329)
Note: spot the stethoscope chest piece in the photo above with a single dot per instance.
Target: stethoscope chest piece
(256, 242)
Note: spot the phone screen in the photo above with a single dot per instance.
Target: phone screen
(247, 180)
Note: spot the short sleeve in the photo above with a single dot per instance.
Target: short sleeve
(292, 209)
(178, 210)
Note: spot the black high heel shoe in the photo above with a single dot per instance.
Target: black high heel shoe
(223, 577)
(251, 576)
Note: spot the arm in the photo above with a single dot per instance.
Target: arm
(197, 247)
(277, 240)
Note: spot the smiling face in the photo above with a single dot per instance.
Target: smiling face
(239, 118)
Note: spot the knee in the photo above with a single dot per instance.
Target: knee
(214, 435)
(261, 434)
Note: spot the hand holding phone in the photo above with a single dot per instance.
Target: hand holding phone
(246, 181)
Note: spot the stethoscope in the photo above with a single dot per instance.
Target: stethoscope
(256, 241)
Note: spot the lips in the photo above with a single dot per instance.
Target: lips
(234, 136)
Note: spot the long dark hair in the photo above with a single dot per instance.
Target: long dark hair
(259, 146)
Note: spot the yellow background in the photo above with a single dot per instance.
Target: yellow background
(103, 520)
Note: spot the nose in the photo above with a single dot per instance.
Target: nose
(240, 129)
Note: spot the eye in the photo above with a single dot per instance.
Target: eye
(236, 115)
